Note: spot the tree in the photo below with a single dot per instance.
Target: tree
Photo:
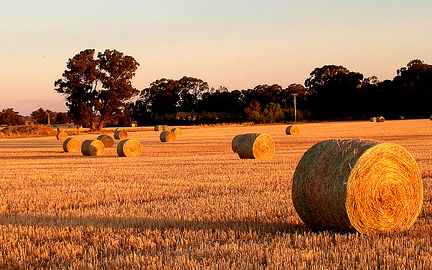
(41, 116)
(168, 96)
(334, 92)
(97, 88)
(10, 117)
(62, 118)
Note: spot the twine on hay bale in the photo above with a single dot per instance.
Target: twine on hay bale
(129, 148)
(92, 148)
(292, 130)
(120, 134)
(61, 136)
(357, 185)
(255, 145)
(72, 145)
(177, 131)
(107, 140)
(373, 119)
(167, 136)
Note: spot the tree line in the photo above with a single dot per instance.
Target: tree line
(98, 92)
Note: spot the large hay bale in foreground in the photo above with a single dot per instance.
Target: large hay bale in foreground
(255, 145)
(107, 140)
(120, 134)
(61, 136)
(177, 131)
(72, 145)
(292, 130)
(357, 185)
(167, 136)
(92, 148)
(129, 148)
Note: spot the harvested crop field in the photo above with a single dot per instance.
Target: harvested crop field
(192, 204)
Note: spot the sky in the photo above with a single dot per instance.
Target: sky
(236, 44)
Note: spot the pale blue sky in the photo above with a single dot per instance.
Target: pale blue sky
(237, 44)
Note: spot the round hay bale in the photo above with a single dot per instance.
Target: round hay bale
(177, 131)
(357, 185)
(92, 148)
(167, 136)
(373, 119)
(292, 130)
(60, 129)
(158, 128)
(120, 134)
(235, 142)
(255, 145)
(129, 148)
(72, 145)
(165, 127)
(107, 140)
(61, 136)
(380, 119)
(401, 117)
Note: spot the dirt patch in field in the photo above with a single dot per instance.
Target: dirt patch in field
(26, 131)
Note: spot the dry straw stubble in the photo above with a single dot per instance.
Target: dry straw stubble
(292, 130)
(357, 185)
(92, 148)
(167, 136)
(72, 145)
(107, 140)
(129, 148)
(61, 136)
(254, 146)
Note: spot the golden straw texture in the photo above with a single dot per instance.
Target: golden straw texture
(107, 140)
(129, 148)
(167, 136)
(61, 136)
(120, 134)
(92, 148)
(357, 185)
(255, 145)
(292, 130)
(72, 145)
(177, 131)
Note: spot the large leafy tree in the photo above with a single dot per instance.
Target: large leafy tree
(97, 88)
(334, 92)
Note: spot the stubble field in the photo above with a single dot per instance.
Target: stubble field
(191, 204)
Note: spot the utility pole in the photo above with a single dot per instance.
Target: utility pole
(295, 108)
